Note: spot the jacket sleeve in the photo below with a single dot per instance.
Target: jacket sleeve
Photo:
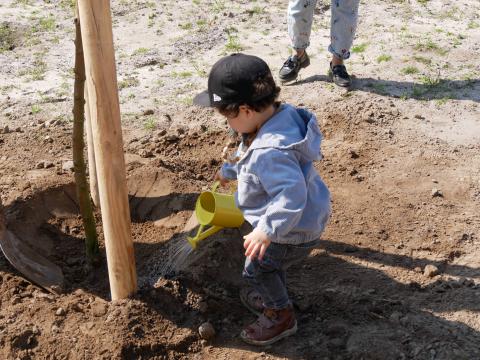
(282, 178)
(229, 171)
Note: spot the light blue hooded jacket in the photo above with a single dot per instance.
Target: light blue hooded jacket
(279, 190)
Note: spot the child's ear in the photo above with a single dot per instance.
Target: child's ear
(243, 108)
(247, 110)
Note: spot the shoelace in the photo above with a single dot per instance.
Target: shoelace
(291, 62)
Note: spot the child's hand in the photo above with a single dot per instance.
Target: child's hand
(256, 242)
(218, 177)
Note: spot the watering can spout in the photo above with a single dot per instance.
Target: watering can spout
(202, 235)
(216, 210)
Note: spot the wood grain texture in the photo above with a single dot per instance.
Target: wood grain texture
(92, 170)
(96, 26)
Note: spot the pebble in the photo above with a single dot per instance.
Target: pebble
(430, 271)
(437, 193)
(99, 308)
(68, 165)
(172, 138)
(44, 296)
(76, 307)
(206, 331)
(60, 312)
(55, 329)
(145, 153)
(35, 330)
(353, 154)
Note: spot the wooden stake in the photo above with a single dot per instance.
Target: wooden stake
(81, 184)
(92, 170)
(96, 26)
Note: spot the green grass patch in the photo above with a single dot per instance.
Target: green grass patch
(409, 70)
(35, 109)
(360, 48)
(218, 5)
(422, 60)
(431, 82)
(22, 2)
(200, 72)
(201, 23)
(187, 100)
(67, 4)
(430, 45)
(383, 58)
(473, 25)
(37, 71)
(256, 10)
(182, 74)
(6, 38)
(443, 100)
(150, 124)
(141, 51)
(233, 43)
(186, 26)
(128, 82)
(47, 23)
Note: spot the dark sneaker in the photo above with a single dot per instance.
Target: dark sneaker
(270, 327)
(252, 300)
(340, 76)
(291, 67)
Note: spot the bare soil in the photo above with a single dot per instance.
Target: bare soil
(401, 158)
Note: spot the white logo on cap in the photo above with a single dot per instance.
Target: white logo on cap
(216, 97)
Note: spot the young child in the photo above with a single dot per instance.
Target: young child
(279, 191)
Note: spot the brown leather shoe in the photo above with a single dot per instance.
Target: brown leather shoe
(270, 327)
(252, 300)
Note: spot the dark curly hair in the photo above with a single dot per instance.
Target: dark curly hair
(265, 90)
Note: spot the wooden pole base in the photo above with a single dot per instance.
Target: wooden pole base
(96, 28)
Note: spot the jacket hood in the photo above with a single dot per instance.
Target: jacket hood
(291, 129)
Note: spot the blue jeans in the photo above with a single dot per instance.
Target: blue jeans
(268, 276)
(342, 27)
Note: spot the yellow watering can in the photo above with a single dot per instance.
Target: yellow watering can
(217, 210)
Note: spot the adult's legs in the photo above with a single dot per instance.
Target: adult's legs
(299, 19)
(342, 31)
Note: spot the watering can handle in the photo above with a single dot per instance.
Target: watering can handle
(216, 184)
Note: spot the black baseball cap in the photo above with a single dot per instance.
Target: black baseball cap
(231, 81)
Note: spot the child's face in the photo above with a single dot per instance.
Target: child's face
(245, 122)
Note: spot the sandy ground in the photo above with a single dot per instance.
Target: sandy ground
(401, 160)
